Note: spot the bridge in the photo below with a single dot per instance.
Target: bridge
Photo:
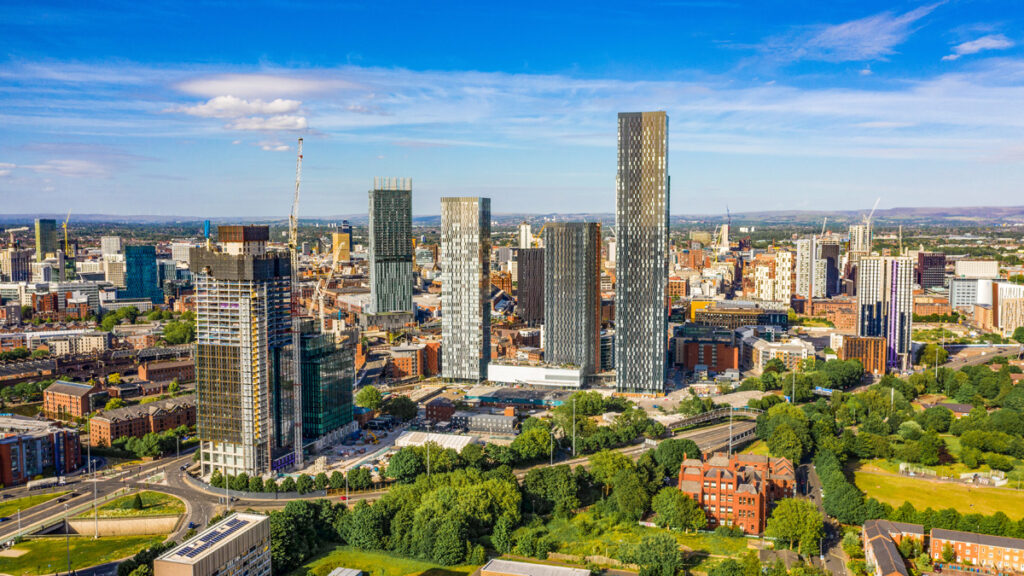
(714, 415)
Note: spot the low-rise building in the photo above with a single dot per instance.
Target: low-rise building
(996, 552)
(501, 567)
(238, 545)
(139, 420)
(760, 347)
(439, 410)
(739, 490)
(531, 373)
(485, 423)
(881, 538)
(79, 344)
(180, 370)
(29, 447)
(65, 400)
(870, 350)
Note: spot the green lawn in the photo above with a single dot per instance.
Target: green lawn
(11, 507)
(759, 447)
(48, 555)
(153, 504)
(895, 490)
(377, 564)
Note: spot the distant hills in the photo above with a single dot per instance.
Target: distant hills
(966, 215)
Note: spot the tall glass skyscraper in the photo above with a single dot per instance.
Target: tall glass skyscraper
(885, 294)
(572, 295)
(46, 238)
(245, 408)
(141, 276)
(465, 288)
(641, 259)
(391, 245)
(326, 367)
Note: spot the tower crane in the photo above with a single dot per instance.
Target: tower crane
(65, 227)
(823, 226)
(11, 232)
(293, 218)
(293, 241)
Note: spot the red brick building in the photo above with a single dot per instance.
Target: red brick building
(29, 447)
(737, 491)
(439, 410)
(182, 370)
(870, 350)
(159, 416)
(717, 356)
(406, 361)
(994, 552)
(66, 400)
(432, 358)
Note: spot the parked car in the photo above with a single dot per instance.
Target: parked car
(192, 525)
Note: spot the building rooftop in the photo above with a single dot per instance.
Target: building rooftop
(986, 539)
(454, 441)
(500, 566)
(202, 544)
(143, 410)
(79, 389)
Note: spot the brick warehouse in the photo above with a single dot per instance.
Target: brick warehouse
(737, 491)
(162, 415)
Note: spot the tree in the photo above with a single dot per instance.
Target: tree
(933, 355)
(304, 484)
(670, 453)
(320, 482)
(360, 479)
(240, 483)
(401, 407)
(369, 397)
(114, 403)
(501, 538)
(1018, 334)
(532, 444)
(796, 522)
(287, 485)
(364, 527)
(256, 484)
(337, 480)
(216, 479)
(114, 379)
(676, 510)
(174, 387)
(405, 465)
(728, 567)
(657, 555)
(785, 443)
(775, 366)
(137, 502)
(285, 546)
(176, 332)
(948, 554)
(630, 496)
(606, 463)
(473, 456)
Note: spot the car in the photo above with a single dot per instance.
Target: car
(192, 525)
(5, 519)
(343, 498)
(62, 499)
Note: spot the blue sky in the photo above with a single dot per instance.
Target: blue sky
(194, 108)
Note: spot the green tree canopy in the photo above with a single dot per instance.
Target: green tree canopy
(369, 397)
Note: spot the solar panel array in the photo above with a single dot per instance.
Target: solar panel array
(208, 540)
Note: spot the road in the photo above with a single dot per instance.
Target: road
(832, 550)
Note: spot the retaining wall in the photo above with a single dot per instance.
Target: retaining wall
(125, 526)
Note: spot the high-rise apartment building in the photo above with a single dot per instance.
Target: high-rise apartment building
(773, 276)
(110, 245)
(327, 372)
(46, 238)
(931, 269)
(525, 235)
(572, 295)
(15, 265)
(530, 285)
(141, 277)
(811, 273)
(391, 245)
(860, 239)
(245, 411)
(829, 253)
(641, 265)
(885, 287)
(465, 287)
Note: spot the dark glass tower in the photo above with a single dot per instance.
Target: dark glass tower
(572, 295)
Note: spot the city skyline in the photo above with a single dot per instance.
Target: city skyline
(775, 108)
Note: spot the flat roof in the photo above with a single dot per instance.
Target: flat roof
(202, 544)
(531, 569)
(454, 441)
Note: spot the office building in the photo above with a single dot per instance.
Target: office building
(572, 295)
(739, 489)
(110, 245)
(641, 259)
(982, 269)
(168, 370)
(15, 265)
(327, 372)
(931, 269)
(46, 238)
(465, 290)
(238, 545)
(141, 277)
(245, 413)
(530, 287)
(31, 448)
(391, 248)
(885, 308)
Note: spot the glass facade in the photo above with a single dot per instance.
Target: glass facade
(391, 250)
(141, 276)
(327, 372)
(572, 295)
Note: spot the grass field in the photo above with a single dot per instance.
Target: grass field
(10, 507)
(153, 504)
(757, 447)
(377, 564)
(48, 555)
(895, 490)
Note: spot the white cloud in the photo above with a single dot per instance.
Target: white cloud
(263, 85)
(234, 107)
(72, 167)
(273, 146)
(6, 167)
(270, 124)
(871, 38)
(990, 42)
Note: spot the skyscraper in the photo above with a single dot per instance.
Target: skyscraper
(110, 245)
(326, 367)
(465, 287)
(391, 245)
(141, 277)
(525, 235)
(860, 239)
(811, 272)
(530, 285)
(46, 238)
(14, 265)
(245, 411)
(572, 295)
(641, 265)
(885, 287)
(828, 251)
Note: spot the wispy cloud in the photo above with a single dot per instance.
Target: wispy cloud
(72, 167)
(871, 38)
(6, 168)
(990, 42)
(270, 124)
(273, 146)
(234, 107)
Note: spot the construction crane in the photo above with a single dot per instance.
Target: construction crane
(65, 227)
(11, 232)
(293, 218)
(293, 241)
(823, 226)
